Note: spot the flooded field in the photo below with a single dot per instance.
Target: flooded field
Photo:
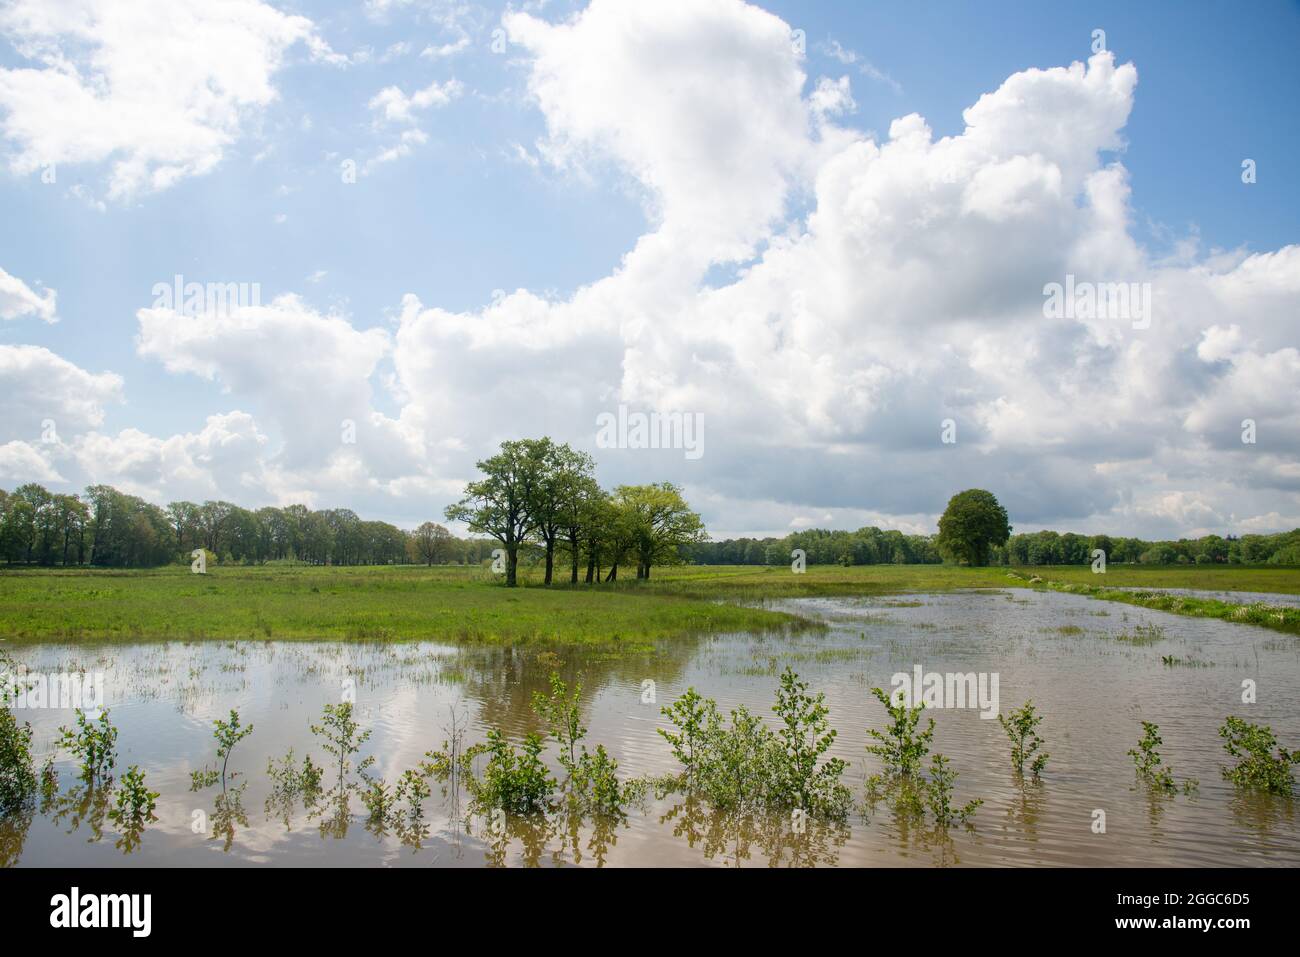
(1095, 670)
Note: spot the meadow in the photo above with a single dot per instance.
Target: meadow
(467, 604)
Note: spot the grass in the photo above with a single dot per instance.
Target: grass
(1278, 617)
(371, 603)
(459, 604)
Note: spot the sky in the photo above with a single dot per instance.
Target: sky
(828, 233)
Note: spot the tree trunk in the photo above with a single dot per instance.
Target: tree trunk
(550, 559)
(512, 562)
(613, 573)
(591, 567)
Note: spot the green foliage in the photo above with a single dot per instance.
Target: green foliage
(289, 781)
(1147, 761)
(228, 734)
(1257, 768)
(17, 777)
(971, 525)
(746, 766)
(1021, 728)
(513, 781)
(135, 802)
(378, 799)
(803, 737)
(563, 716)
(412, 790)
(901, 747)
(696, 719)
(595, 785)
(93, 744)
(938, 795)
(343, 738)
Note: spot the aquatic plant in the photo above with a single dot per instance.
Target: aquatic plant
(343, 738)
(228, 735)
(17, 777)
(289, 781)
(901, 746)
(803, 737)
(513, 781)
(747, 765)
(1257, 768)
(93, 744)
(1021, 727)
(696, 719)
(938, 795)
(1147, 761)
(134, 800)
(563, 716)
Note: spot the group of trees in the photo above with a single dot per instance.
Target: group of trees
(539, 493)
(1054, 548)
(866, 546)
(109, 528)
(538, 501)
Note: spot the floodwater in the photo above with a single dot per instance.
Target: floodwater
(1094, 669)
(1278, 599)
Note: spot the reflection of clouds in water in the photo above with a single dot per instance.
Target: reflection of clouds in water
(1062, 650)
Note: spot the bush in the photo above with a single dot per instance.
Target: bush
(1257, 767)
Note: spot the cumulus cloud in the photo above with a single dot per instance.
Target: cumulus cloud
(18, 300)
(36, 385)
(824, 342)
(158, 88)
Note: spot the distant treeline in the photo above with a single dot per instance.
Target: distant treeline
(872, 546)
(108, 528)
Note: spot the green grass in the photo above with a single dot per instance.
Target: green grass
(459, 604)
(377, 603)
(1278, 617)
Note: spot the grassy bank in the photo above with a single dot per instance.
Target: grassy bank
(459, 604)
(1277, 617)
(377, 603)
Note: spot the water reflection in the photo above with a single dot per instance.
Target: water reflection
(1067, 652)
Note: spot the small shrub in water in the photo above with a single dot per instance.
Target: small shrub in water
(938, 795)
(803, 737)
(135, 802)
(1147, 761)
(1022, 730)
(1257, 768)
(17, 777)
(514, 781)
(563, 716)
(901, 746)
(93, 744)
(343, 739)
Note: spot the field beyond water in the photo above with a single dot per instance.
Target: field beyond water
(469, 605)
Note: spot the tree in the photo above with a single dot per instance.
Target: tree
(500, 504)
(564, 479)
(660, 523)
(972, 522)
(431, 542)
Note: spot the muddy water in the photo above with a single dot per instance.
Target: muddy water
(1093, 668)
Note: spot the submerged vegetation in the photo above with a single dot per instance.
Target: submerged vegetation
(1148, 763)
(740, 768)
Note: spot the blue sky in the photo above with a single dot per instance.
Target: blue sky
(508, 187)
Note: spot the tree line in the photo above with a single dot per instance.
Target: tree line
(871, 546)
(106, 527)
(536, 501)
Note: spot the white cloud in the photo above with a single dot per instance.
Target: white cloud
(396, 107)
(159, 88)
(18, 300)
(36, 385)
(824, 349)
